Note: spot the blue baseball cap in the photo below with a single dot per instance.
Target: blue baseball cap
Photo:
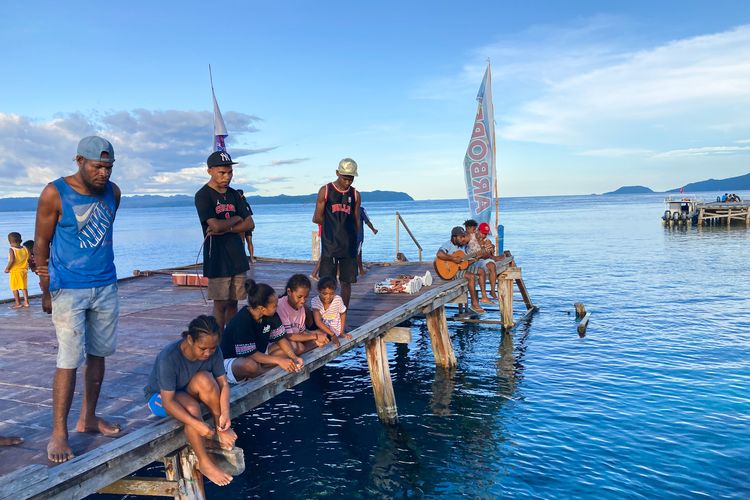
(93, 146)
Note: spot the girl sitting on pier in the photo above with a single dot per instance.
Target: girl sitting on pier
(189, 372)
(254, 340)
(297, 319)
(329, 311)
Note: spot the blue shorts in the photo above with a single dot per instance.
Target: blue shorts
(156, 406)
(85, 321)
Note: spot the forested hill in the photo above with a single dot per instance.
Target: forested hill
(150, 201)
(739, 183)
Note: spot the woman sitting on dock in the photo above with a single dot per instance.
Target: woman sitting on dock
(297, 319)
(189, 372)
(255, 339)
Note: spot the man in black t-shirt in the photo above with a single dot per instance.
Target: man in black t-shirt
(225, 219)
(337, 210)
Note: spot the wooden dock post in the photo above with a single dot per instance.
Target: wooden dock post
(315, 246)
(700, 216)
(440, 340)
(505, 287)
(182, 466)
(380, 375)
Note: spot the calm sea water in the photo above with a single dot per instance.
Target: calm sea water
(654, 401)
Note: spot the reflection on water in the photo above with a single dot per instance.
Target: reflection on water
(442, 391)
(653, 402)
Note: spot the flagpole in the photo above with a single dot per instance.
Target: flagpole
(211, 77)
(494, 165)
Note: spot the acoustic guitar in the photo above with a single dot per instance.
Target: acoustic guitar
(447, 269)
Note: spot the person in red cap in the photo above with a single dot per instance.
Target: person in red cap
(484, 260)
(484, 241)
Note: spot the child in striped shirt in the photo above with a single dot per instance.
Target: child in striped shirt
(329, 311)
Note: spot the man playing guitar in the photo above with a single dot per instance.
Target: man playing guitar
(447, 252)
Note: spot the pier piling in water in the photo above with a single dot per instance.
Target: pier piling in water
(380, 376)
(440, 340)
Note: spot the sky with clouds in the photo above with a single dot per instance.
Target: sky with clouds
(588, 95)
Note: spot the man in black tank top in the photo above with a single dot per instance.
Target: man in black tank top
(337, 210)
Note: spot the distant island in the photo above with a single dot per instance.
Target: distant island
(631, 190)
(739, 183)
(731, 184)
(181, 200)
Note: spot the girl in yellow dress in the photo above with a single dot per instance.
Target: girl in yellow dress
(18, 267)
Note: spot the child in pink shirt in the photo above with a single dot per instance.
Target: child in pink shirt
(294, 316)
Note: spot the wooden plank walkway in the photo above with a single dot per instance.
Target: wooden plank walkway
(152, 313)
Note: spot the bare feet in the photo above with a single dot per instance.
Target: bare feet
(477, 309)
(16, 306)
(58, 450)
(227, 438)
(363, 271)
(26, 304)
(98, 426)
(346, 335)
(213, 473)
(314, 277)
(494, 296)
(485, 300)
(10, 440)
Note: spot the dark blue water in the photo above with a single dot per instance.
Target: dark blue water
(654, 401)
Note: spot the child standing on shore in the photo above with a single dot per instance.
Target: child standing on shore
(329, 311)
(18, 267)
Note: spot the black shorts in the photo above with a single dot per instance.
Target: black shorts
(346, 268)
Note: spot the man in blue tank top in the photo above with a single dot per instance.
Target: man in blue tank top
(75, 264)
(337, 210)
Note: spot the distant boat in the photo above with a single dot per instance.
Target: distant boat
(681, 209)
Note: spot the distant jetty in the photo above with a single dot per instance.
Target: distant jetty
(181, 200)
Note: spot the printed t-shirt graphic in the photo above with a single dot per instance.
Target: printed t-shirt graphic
(94, 220)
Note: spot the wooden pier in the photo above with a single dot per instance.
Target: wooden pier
(724, 213)
(153, 312)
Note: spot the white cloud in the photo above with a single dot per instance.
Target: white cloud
(687, 83)
(615, 152)
(705, 151)
(542, 55)
(155, 151)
